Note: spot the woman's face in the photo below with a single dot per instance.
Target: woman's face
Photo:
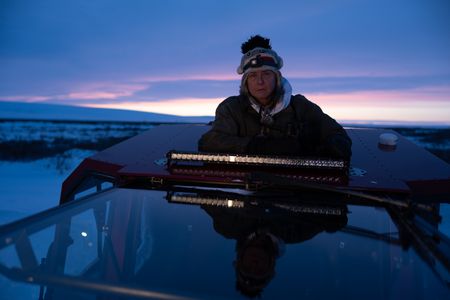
(261, 84)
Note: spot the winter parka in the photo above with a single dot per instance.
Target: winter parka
(237, 126)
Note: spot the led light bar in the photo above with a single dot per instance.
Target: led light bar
(257, 160)
(204, 200)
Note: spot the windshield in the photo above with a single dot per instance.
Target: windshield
(191, 244)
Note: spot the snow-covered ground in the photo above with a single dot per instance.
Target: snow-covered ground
(29, 187)
(41, 111)
(50, 131)
(31, 177)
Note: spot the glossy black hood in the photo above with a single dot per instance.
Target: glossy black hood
(125, 243)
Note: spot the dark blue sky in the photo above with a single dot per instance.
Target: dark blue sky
(369, 55)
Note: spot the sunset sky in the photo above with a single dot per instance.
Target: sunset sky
(360, 60)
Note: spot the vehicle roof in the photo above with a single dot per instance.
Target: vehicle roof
(405, 168)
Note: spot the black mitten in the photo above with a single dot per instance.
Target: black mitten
(339, 146)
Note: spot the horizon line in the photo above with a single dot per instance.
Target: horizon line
(344, 122)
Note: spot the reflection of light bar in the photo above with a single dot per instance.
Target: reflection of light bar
(315, 210)
(257, 160)
(235, 203)
(202, 200)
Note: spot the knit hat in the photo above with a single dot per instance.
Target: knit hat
(258, 54)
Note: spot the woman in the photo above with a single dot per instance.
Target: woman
(266, 119)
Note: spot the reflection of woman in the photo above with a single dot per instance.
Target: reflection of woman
(255, 261)
(261, 233)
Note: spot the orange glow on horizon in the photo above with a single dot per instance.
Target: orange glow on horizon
(403, 106)
(361, 106)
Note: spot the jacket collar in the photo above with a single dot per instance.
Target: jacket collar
(281, 104)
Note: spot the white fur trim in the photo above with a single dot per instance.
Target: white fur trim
(280, 105)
